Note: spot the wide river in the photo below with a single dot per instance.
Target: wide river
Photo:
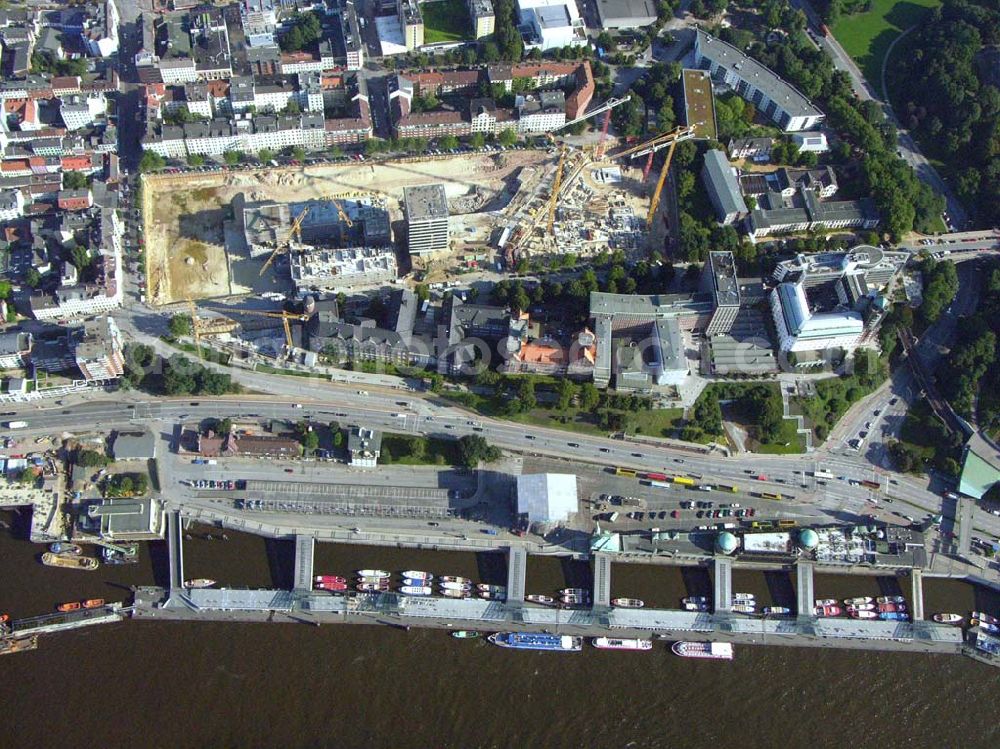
(165, 684)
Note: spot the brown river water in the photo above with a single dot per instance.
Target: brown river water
(168, 684)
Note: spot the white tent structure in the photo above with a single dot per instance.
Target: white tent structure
(547, 497)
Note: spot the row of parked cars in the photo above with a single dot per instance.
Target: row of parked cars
(221, 485)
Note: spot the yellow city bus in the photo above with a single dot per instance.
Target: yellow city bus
(626, 472)
(727, 488)
(769, 495)
(683, 480)
(787, 523)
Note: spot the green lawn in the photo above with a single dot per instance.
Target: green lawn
(866, 36)
(445, 21)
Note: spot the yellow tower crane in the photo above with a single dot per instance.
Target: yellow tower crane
(282, 315)
(202, 326)
(296, 232)
(664, 140)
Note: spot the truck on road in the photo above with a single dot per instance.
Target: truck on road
(16, 424)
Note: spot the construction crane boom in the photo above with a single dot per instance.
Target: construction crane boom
(605, 107)
(685, 132)
(296, 231)
(654, 202)
(556, 186)
(282, 315)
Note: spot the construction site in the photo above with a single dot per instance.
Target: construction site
(252, 232)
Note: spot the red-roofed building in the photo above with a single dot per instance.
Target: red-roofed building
(66, 84)
(74, 200)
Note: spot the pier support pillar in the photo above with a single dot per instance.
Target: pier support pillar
(517, 571)
(723, 596)
(602, 580)
(305, 546)
(806, 592)
(917, 583)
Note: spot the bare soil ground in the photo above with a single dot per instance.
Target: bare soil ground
(186, 255)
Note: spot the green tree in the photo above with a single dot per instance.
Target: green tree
(298, 153)
(33, 278)
(448, 142)
(566, 391)
(507, 137)
(590, 396)
(5, 289)
(151, 162)
(265, 156)
(232, 158)
(195, 160)
(74, 180)
(180, 325)
(473, 449)
(81, 258)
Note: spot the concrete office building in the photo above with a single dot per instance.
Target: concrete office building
(772, 96)
(800, 329)
(723, 188)
(482, 16)
(99, 352)
(350, 268)
(412, 23)
(719, 280)
(426, 209)
(876, 266)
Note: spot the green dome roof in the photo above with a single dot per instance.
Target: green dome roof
(726, 542)
(808, 539)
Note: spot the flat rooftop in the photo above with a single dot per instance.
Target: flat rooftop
(425, 202)
(727, 288)
(699, 103)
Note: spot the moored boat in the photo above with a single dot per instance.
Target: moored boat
(826, 602)
(454, 579)
(744, 597)
(859, 601)
(372, 587)
(984, 625)
(69, 561)
(418, 575)
(372, 573)
(330, 579)
(696, 607)
(892, 616)
(199, 582)
(862, 606)
(63, 547)
(455, 586)
(537, 641)
(456, 593)
(947, 618)
(415, 582)
(332, 587)
(465, 634)
(890, 608)
(574, 592)
(744, 608)
(628, 603)
(491, 596)
(984, 617)
(416, 590)
(776, 610)
(713, 650)
(18, 644)
(621, 643)
(890, 599)
(828, 610)
(861, 614)
(694, 599)
(573, 600)
(93, 603)
(544, 600)
(70, 606)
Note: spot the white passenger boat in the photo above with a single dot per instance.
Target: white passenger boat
(418, 575)
(947, 618)
(744, 608)
(543, 600)
(744, 597)
(713, 650)
(456, 593)
(621, 643)
(859, 601)
(627, 603)
(372, 573)
(456, 586)
(453, 579)
(415, 590)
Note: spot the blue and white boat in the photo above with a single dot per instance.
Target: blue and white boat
(893, 616)
(536, 641)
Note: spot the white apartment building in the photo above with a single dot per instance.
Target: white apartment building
(78, 111)
(347, 268)
(11, 205)
(799, 329)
